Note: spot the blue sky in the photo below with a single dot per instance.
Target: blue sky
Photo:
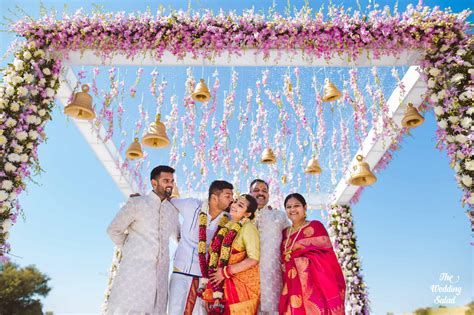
(410, 225)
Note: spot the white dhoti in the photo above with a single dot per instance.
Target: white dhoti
(183, 297)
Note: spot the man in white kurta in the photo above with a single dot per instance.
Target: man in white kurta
(142, 229)
(270, 223)
(187, 272)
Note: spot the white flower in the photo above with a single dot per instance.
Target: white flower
(42, 112)
(12, 196)
(444, 48)
(39, 53)
(7, 185)
(22, 135)
(50, 92)
(18, 64)
(449, 138)
(466, 180)
(27, 55)
(42, 82)
(461, 52)
(22, 91)
(3, 195)
(466, 122)
(16, 80)
(434, 98)
(33, 134)
(453, 119)
(3, 140)
(439, 110)
(2, 103)
(470, 111)
(435, 72)
(441, 94)
(457, 77)
(29, 145)
(38, 120)
(9, 167)
(18, 148)
(461, 138)
(14, 106)
(34, 92)
(443, 123)
(471, 71)
(13, 157)
(10, 90)
(469, 165)
(431, 83)
(6, 225)
(23, 158)
(46, 71)
(52, 83)
(29, 78)
(10, 122)
(30, 119)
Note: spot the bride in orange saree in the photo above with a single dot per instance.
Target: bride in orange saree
(313, 282)
(234, 286)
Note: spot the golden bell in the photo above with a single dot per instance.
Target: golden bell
(362, 175)
(412, 118)
(134, 151)
(155, 136)
(268, 157)
(331, 92)
(313, 167)
(201, 92)
(175, 193)
(284, 180)
(81, 105)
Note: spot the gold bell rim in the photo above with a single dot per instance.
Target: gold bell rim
(73, 110)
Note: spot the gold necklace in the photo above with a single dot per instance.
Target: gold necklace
(289, 251)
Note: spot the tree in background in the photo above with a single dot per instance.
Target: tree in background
(20, 289)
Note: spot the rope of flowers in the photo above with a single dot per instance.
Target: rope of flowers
(341, 231)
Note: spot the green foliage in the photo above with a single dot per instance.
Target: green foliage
(20, 289)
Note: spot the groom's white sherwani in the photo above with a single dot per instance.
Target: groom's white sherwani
(141, 282)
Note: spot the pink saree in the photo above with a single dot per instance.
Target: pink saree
(313, 282)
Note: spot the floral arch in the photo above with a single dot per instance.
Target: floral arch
(435, 43)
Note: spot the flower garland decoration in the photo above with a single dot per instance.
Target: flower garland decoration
(27, 94)
(450, 73)
(202, 240)
(219, 252)
(341, 231)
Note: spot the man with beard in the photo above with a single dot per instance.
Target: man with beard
(141, 229)
(201, 219)
(270, 223)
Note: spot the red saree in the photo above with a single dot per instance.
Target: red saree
(313, 282)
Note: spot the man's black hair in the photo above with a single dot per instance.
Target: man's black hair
(258, 180)
(155, 173)
(218, 186)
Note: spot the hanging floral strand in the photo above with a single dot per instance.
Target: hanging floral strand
(133, 89)
(172, 125)
(289, 94)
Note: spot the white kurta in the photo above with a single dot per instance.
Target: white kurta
(141, 282)
(270, 224)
